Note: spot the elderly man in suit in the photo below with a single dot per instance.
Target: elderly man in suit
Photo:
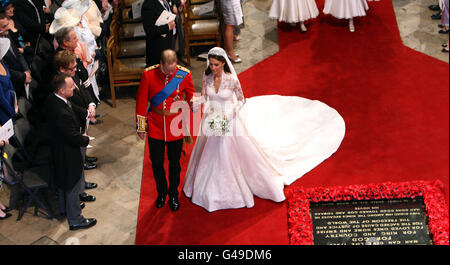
(158, 38)
(66, 142)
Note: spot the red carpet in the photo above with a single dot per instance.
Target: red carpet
(394, 100)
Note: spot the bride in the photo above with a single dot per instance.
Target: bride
(254, 146)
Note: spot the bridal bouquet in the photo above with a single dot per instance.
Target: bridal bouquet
(218, 125)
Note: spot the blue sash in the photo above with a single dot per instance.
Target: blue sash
(169, 88)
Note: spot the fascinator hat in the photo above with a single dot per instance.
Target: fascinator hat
(4, 46)
(82, 6)
(64, 18)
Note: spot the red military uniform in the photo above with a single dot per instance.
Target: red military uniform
(152, 82)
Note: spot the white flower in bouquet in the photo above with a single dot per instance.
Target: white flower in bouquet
(218, 125)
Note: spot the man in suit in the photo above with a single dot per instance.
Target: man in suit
(66, 142)
(30, 14)
(84, 107)
(158, 38)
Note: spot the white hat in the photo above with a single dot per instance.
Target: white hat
(64, 18)
(4, 46)
(81, 6)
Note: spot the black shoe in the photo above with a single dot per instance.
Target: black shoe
(86, 223)
(95, 122)
(445, 50)
(442, 31)
(82, 205)
(89, 166)
(444, 45)
(436, 16)
(90, 185)
(6, 216)
(7, 209)
(174, 203)
(86, 197)
(160, 201)
(434, 7)
(91, 159)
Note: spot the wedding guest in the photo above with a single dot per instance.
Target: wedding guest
(19, 36)
(15, 61)
(31, 15)
(158, 38)
(346, 9)
(67, 40)
(66, 142)
(294, 11)
(93, 17)
(8, 101)
(232, 15)
(85, 36)
(445, 17)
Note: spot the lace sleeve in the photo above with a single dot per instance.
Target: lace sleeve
(238, 91)
(204, 95)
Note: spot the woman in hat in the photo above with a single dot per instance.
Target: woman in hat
(294, 11)
(346, 9)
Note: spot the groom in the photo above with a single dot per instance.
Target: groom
(162, 85)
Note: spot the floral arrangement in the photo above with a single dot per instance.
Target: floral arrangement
(300, 222)
(218, 125)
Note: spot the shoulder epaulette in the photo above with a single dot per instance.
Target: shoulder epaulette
(183, 69)
(151, 67)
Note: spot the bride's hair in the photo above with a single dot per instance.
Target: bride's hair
(226, 68)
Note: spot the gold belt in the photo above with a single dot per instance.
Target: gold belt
(162, 112)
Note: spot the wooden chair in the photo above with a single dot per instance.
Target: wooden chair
(126, 59)
(199, 30)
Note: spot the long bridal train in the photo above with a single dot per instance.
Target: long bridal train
(275, 140)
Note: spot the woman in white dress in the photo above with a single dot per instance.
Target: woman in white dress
(254, 146)
(346, 9)
(294, 11)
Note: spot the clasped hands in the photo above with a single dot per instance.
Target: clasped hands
(91, 112)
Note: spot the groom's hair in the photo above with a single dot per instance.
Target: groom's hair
(169, 57)
(226, 68)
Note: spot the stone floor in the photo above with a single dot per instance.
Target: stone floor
(120, 152)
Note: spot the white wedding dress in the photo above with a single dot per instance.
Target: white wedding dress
(273, 141)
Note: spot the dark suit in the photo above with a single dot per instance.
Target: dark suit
(33, 21)
(67, 140)
(83, 75)
(17, 66)
(155, 42)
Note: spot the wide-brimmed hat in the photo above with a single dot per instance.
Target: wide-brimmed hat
(81, 6)
(4, 46)
(64, 18)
